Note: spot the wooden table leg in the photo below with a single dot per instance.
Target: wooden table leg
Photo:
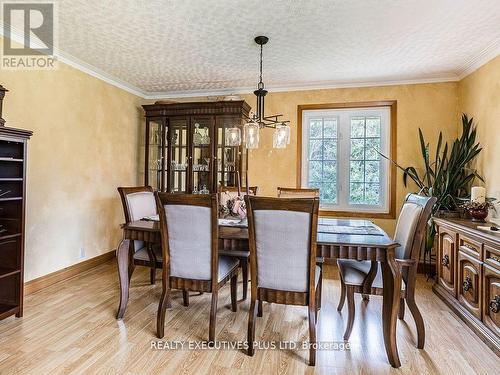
(392, 290)
(122, 258)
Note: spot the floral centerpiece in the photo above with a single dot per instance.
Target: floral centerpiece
(234, 206)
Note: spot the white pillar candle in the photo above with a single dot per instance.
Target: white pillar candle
(478, 194)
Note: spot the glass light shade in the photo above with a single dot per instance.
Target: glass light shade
(233, 136)
(251, 132)
(281, 136)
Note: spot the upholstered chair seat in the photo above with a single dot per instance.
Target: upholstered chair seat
(354, 272)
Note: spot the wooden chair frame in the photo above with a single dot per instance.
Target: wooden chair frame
(408, 269)
(170, 282)
(311, 298)
(235, 248)
(253, 190)
(153, 262)
(298, 193)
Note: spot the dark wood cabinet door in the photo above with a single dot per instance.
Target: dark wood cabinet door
(469, 283)
(201, 154)
(230, 160)
(447, 251)
(491, 299)
(155, 153)
(178, 155)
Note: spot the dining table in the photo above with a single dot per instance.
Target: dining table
(336, 239)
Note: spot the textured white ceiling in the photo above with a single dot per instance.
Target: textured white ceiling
(207, 45)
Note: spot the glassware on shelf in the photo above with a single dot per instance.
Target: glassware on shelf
(230, 166)
(178, 166)
(197, 137)
(207, 164)
(205, 139)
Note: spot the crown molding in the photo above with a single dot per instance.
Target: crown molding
(487, 54)
(80, 65)
(482, 58)
(319, 85)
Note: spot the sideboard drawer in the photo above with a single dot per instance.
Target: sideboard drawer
(447, 260)
(470, 246)
(491, 298)
(469, 283)
(492, 256)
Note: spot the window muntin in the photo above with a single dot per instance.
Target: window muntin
(341, 159)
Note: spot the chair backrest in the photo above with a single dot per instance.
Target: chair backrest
(189, 232)
(138, 202)
(297, 193)
(411, 225)
(230, 192)
(282, 239)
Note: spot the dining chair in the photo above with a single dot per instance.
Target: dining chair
(139, 202)
(189, 239)
(236, 248)
(297, 193)
(229, 192)
(282, 238)
(365, 277)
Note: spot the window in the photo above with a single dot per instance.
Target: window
(340, 155)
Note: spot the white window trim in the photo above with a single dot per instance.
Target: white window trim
(343, 135)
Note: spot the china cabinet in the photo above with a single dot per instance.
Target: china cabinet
(185, 146)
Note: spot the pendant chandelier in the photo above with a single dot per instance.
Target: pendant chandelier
(251, 130)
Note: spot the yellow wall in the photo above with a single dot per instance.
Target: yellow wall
(433, 107)
(87, 137)
(85, 144)
(479, 97)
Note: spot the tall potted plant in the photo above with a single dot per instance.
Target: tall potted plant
(448, 176)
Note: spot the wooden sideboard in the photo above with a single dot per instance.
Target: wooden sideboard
(468, 276)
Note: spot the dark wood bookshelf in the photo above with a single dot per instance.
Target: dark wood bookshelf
(13, 151)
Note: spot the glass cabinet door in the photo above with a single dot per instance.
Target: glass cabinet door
(154, 159)
(201, 155)
(228, 157)
(178, 158)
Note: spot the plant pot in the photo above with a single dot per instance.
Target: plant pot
(478, 215)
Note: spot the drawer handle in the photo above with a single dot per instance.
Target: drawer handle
(445, 261)
(495, 304)
(467, 284)
(467, 246)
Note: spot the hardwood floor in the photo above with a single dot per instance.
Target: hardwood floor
(70, 328)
